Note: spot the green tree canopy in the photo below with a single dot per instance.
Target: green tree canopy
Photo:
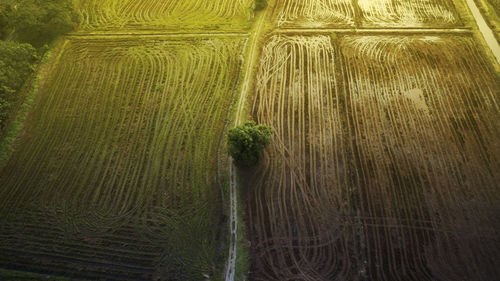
(16, 65)
(6, 18)
(247, 141)
(38, 22)
(260, 5)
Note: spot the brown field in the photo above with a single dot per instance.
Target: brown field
(384, 162)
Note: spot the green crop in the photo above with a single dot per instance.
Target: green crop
(117, 172)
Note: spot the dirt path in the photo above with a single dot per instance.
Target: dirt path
(233, 217)
(488, 34)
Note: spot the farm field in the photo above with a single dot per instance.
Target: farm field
(383, 165)
(365, 13)
(165, 14)
(314, 13)
(115, 173)
(408, 13)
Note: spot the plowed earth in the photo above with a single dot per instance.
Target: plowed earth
(384, 162)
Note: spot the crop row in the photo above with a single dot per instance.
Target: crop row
(112, 14)
(384, 162)
(115, 175)
(314, 13)
(365, 13)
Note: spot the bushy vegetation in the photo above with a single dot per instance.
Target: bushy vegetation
(247, 141)
(6, 17)
(38, 22)
(16, 64)
(260, 5)
(26, 25)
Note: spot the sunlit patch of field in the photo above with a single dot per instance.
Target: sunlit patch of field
(115, 175)
(314, 13)
(384, 161)
(407, 13)
(166, 14)
(365, 13)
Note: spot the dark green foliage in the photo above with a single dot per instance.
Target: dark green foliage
(260, 5)
(6, 18)
(16, 65)
(38, 22)
(247, 141)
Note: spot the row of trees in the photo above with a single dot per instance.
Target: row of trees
(26, 27)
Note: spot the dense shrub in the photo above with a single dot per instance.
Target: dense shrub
(38, 22)
(6, 18)
(16, 65)
(260, 5)
(247, 141)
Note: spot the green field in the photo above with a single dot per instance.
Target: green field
(115, 174)
(166, 14)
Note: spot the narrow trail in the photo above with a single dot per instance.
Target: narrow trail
(485, 29)
(233, 217)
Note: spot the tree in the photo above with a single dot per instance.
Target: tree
(38, 22)
(5, 20)
(247, 141)
(260, 5)
(16, 65)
